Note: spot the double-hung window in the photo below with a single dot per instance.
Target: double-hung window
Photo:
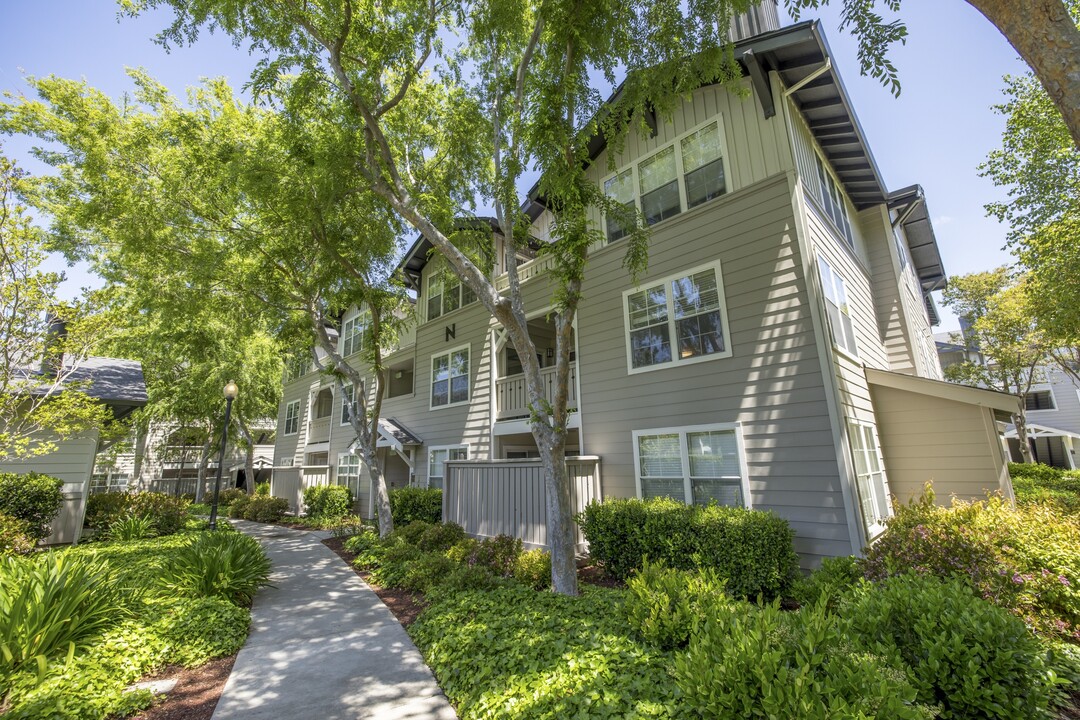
(446, 293)
(673, 179)
(676, 320)
(869, 476)
(697, 464)
(292, 418)
(437, 457)
(450, 377)
(352, 334)
(833, 199)
(348, 472)
(836, 304)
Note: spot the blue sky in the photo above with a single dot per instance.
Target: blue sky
(935, 134)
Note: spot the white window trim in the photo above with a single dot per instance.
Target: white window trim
(349, 326)
(442, 269)
(315, 404)
(683, 431)
(434, 448)
(675, 361)
(830, 173)
(431, 378)
(1053, 398)
(345, 391)
(296, 404)
(679, 174)
(872, 530)
(853, 354)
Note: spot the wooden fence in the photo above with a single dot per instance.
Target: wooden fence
(490, 498)
(290, 483)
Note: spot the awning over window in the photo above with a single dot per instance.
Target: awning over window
(393, 434)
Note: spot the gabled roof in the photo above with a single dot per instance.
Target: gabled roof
(416, 257)
(393, 434)
(910, 203)
(1036, 430)
(116, 382)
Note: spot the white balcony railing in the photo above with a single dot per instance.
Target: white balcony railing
(512, 395)
(527, 270)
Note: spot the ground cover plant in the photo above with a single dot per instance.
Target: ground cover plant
(112, 614)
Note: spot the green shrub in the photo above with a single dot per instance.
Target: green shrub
(410, 532)
(751, 549)
(974, 659)
(499, 554)
(199, 509)
(264, 509)
(348, 526)
(663, 605)
(33, 498)
(427, 571)
(132, 528)
(228, 496)
(239, 506)
(1025, 559)
(1035, 471)
(745, 661)
(327, 501)
(1041, 484)
(262, 489)
(228, 565)
(169, 514)
(463, 550)
(362, 541)
(393, 563)
(440, 537)
(51, 601)
(465, 579)
(532, 568)
(14, 536)
(413, 503)
(835, 577)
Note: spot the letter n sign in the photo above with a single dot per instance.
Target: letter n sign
(451, 332)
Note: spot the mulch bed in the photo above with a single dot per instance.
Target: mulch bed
(196, 693)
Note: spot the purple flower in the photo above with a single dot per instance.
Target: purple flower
(1064, 581)
(1016, 578)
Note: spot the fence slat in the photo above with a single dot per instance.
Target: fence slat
(509, 497)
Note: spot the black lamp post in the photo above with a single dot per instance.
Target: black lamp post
(230, 394)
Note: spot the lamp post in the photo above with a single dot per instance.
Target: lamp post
(230, 394)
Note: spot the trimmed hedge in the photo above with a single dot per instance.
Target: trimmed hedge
(169, 514)
(327, 502)
(33, 498)
(752, 550)
(410, 504)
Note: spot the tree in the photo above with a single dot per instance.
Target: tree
(40, 400)
(1044, 32)
(249, 210)
(1006, 332)
(1039, 166)
(439, 127)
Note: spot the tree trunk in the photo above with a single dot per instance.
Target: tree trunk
(1049, 41)
(560, 526)
(382, 493)
(204, 461)
(249, 457)
(1020, 421)
(141, 434)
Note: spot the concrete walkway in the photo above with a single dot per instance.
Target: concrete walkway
(323, 646)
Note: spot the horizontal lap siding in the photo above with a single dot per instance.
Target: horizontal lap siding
(772, 384)
(911, 427)
(892, 310)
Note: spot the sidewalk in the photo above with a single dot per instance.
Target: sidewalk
(323, 646)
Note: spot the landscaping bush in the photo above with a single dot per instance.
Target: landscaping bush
(974, 659)
(51, 601)
(835, 577)
(751, 549)
(169, 514)
(33, 498)
(218, 564)
(413, 503)
(510, 652)
(533, 569)
(201, 509)
(744, 661)
(410, 532)
(239, 506)
(132, 528)
(663, 605)
(499, 554)
(326, 502)
(228, 496)
(347, 526)
(14, 536)
(1024, 559)
(440, 537)
(263, 509)
(426, 571)
(392, 562)
(361, 541)
(462, 550)
(1036, 483)
(262, 489)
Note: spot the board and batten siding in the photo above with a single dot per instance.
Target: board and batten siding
(772, 385)
(72, 462)
(924, 439)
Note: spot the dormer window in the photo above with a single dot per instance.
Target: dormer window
(446, 293)
(680, 176)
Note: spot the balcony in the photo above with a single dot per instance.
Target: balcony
(526, 271)
(512, 397)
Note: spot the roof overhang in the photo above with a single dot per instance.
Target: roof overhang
(260, 462)
(999, 402)
(412, 264)
(1034, 430)
(910, 205)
